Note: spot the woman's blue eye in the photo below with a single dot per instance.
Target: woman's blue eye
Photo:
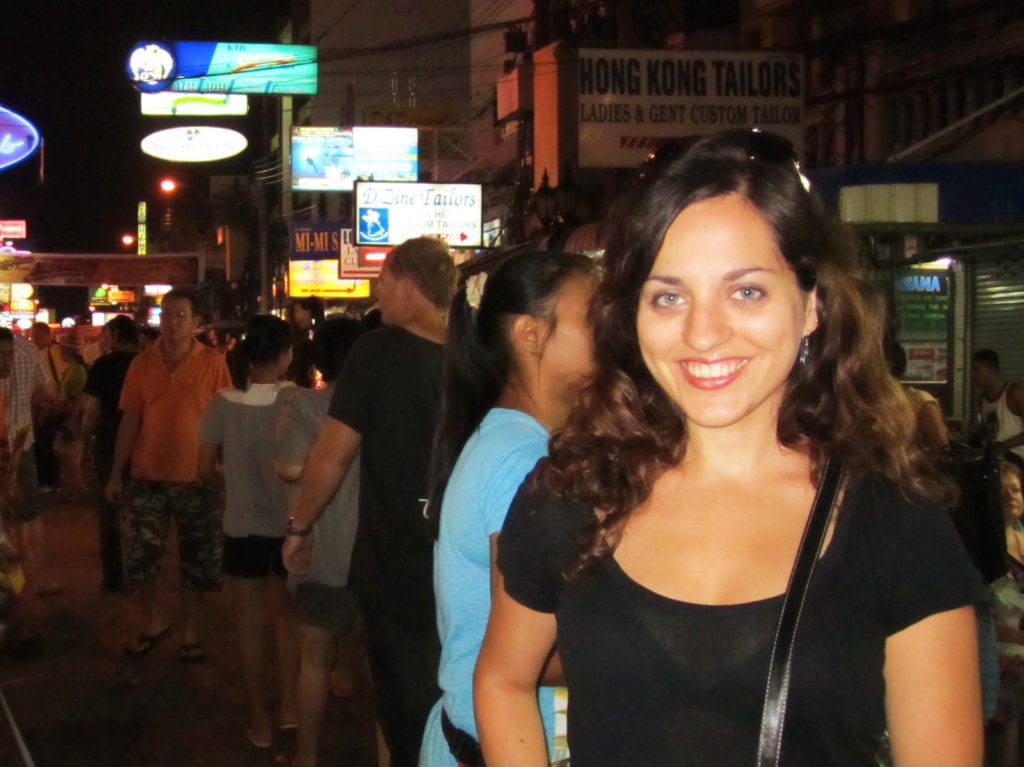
(749, 293)
(665, 299)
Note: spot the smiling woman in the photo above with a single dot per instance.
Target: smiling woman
(738, 352)
(720, 335)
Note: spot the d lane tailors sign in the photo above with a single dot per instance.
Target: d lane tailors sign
(631, 101)
(389, 213)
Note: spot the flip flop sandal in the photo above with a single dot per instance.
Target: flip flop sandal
(146, 642)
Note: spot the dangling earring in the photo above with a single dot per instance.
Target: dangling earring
(805, 349)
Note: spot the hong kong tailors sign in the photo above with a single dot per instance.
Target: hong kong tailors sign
(632, 101)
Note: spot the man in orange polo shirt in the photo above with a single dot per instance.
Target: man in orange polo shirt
(165, 392)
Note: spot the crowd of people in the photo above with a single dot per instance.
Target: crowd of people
(593, 482)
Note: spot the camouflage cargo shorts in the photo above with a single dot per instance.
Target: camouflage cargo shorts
(151, 505)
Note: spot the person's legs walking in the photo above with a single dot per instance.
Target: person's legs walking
(251, 618)
(403, 661)
(29, 531)
(314, 673)
(200, 554)
(148, 517)
(287, 643)
(109, 527)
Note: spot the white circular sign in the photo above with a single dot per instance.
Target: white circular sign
(194, 144)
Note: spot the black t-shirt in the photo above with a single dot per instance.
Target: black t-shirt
(389, 392)
(656, 681)
(106, 376)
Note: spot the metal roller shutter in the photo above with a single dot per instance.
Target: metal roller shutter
(998, 310)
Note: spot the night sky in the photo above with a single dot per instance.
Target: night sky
(62, 67)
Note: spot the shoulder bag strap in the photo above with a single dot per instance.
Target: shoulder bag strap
(774, 713)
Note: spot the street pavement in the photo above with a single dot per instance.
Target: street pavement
(79, 701)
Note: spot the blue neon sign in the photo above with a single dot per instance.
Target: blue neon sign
(19, 138)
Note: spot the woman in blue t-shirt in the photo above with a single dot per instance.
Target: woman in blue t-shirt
(512, 367)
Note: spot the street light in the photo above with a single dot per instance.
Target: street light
(127, 240)
(187, 216)
(545, 202)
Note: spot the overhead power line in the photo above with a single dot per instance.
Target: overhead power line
(338, 54)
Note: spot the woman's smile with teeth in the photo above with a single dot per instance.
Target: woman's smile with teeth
(713, 369)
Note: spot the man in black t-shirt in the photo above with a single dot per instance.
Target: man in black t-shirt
(384, 408)
(100, 419)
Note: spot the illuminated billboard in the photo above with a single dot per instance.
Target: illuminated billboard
(390, 213)
(194, 144)
(14, 229)
(177, 104)
(19, 138)
(320, 278)
(204, 67)
(331, 159)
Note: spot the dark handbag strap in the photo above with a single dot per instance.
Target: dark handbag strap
(463, 746)
(773, 715)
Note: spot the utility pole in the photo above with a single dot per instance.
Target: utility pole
(259, 192)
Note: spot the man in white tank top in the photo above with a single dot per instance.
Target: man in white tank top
(1001, 398)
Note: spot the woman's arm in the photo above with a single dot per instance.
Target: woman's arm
(933, 692)
(552, 675)
(516, 647)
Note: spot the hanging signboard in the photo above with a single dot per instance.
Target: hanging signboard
(391, 213)
(320, 278)
(194, 144)
(330, 159)
(316, 241)
(13, 229)
(178, 104)
(204, 67)
(631, 101)
(362, 262)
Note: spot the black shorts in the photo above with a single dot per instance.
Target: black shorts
(255, 556)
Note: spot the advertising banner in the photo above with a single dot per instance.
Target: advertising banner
(632, 101)
(331, 159)
(204, 67)
(391, 213)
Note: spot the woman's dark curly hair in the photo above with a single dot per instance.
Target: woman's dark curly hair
(625, 431)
